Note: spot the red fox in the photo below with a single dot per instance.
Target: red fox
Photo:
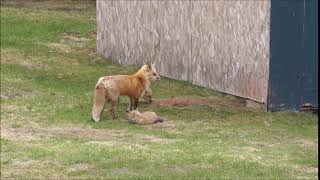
(111, 87)
(145, 118)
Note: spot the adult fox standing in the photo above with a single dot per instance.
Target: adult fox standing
(111, 87)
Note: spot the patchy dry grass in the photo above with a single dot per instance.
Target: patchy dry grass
(48, 71)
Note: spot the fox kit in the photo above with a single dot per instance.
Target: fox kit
(111, 87)
(144, 118)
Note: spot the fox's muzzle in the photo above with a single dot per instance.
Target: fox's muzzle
(158, 78)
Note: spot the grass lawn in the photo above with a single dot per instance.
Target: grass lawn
(48, 72)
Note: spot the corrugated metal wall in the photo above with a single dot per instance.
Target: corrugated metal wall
(223, 45)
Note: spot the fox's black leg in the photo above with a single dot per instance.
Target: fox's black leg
(135, 103)
(112, 109)
(131, 104)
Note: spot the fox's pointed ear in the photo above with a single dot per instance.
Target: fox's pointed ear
(154, 64)
(149, 67)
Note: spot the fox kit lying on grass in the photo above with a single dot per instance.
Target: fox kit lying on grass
(144, 118)
(111, 87)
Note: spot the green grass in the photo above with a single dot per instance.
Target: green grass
(47, 80)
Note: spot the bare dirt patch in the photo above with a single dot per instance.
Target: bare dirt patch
(68, 43)
(14, 60)
(7, 57)
(124, 171)
(78, 167)
(31, 133)
(305, 143)
(60, 47)
(204, 166)
(16, 134)
(24, 164)
(66, 5)
(9, 93)
(306, 169)
(106, 143)
(176, 169)
(131, 145)
(188, 101)
(20, 168)
(9, 108)
(75, 38)
(250, 149)
(100, 136)
(249, 153)
(169, 125)
(151, 138)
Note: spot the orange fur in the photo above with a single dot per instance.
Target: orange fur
(143, 118)
(111, 87)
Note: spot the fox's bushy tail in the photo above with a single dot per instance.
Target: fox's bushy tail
(160, 119)
(99, 101)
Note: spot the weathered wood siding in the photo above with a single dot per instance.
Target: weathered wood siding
(223, 45)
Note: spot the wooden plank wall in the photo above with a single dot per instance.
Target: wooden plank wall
(221, 44)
